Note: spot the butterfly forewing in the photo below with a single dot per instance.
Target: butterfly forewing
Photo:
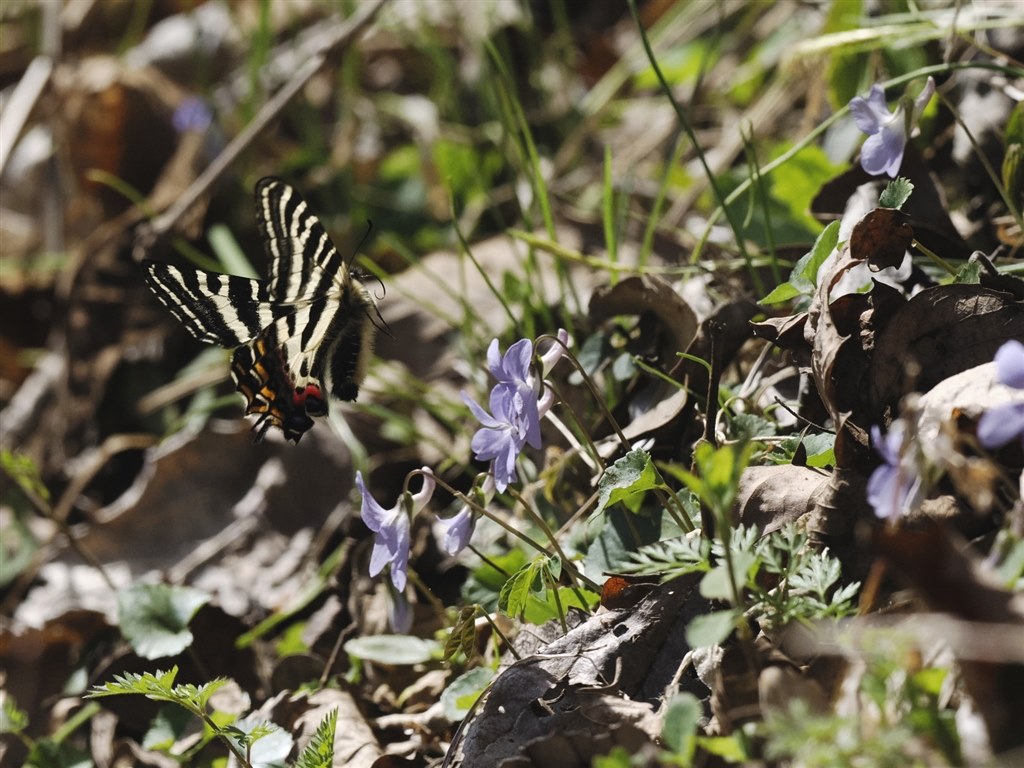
(218, 309)
(303, 336)
(303, 261)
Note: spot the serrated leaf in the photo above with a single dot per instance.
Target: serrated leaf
(462, 636)
(319, 752)
(154, 617)
(266, 744)
(516, 591)
(146, 684)
(716, 585)
(711, 628)
(632, 474)
(969, 273)
(394, 650)
(896, 193)
(464, 690)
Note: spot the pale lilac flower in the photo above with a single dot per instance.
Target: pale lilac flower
(456, 531)
(554, 353)
(400, 615)
(887, 131)
(503, 435)
(192, 115)
(391, 527)
(512, 368)
(999, 425)
(515, 406)
(894, 488)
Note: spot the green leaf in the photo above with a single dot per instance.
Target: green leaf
(265, 743)
(154, 617)
(170, 724)
(682, 717)
(319, 752)
(46, 753)
(969, 273)
(459, 697)
(393, 650)
(462, 635)
(516, 591)
(896, 193)
(542, 609)
(24, 471)
(12, 719)
(729, 748)
(716, 586)
(229, 253)
(782, 293)
(805, 272)
(711, 628)
(795, 183)
(632, 474)
(930, 679)
(820, 449)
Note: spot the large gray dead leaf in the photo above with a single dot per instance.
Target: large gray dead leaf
(770, 497)
(938, 333)
(573, 690)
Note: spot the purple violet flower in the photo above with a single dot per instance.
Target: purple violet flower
(554, 353)
(998, 426)
(192, 115)
(391, 527)
(502, 436)
(887, 131)
(894, 488)
(400, 615)
(516, 411)
(456, 531)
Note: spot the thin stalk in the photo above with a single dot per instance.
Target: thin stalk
(684, 122)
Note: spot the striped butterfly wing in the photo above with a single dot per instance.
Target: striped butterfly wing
(304, 263)
(302, 337)
(217, 309)
(321, 347)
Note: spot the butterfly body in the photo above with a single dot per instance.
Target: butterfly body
(302, 338)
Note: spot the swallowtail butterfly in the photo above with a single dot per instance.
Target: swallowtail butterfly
(302, 338)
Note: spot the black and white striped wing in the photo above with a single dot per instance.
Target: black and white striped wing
(303, 262)
(302, 337)
(217, 309)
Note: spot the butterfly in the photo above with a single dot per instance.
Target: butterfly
(302, 338)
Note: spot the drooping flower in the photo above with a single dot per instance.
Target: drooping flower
(554, 353)
(391, 527)
(456, 531)
(999, 425)
(894, 488)
(400, 615)
(887, 131)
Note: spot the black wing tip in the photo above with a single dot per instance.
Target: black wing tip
(271, 181)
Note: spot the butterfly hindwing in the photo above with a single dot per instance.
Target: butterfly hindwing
(303, 337)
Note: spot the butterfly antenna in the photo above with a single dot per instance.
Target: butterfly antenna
(382, 325)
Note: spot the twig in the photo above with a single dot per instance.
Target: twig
(150, 232)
